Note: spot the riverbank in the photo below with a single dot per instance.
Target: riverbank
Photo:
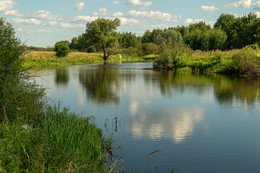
(239, 62)
(59, 141)
(42, 59)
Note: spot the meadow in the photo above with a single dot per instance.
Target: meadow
(42, 59)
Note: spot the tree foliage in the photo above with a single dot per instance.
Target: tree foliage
(62, 48)
(15, 93)
(102, 33)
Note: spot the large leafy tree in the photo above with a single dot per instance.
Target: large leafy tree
(15, 93)
(102, 33)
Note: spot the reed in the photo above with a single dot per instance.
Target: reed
(60, 142)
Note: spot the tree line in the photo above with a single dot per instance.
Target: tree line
(229, 32)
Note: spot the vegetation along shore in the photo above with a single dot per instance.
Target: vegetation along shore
(38, 137)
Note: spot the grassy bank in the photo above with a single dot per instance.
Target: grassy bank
(41, 59)
(241, 62)
(59, 142)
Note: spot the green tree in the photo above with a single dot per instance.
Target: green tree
(62, 48)
(102, 33)
(15, 93)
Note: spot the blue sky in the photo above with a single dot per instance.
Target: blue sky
(43, 23)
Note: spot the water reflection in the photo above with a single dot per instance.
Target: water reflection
(177, 124)
(103, 84)
(226, 89)
(62, 77)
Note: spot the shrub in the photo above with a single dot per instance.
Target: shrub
(91, 49)
(62, 48)
(246, 62)
(149, 48)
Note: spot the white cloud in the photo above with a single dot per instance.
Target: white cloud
(50, 23)
(139, 2)
(72, 25)
(165, 17)
(116, 2)
(44, 30)
(6, 5)
(43, 14)
(31, 21)
(257, 14)
(192, 21)
(131, 22)
(101, 12)
(118, 14)
(79, 5)
(209, 8)
(239, 4)
(84, 18)
(256, 6)
(6, 8)
(15, 13)
(20, 29)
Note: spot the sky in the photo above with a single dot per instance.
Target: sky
(42, 23)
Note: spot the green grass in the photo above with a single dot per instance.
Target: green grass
(59, 142)
(41, 59)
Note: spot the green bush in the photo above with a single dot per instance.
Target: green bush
(62, 48)
(246, 62)
(132, 51)
(149, 48)
(91, 49)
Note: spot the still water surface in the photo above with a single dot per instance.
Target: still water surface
(201, 123)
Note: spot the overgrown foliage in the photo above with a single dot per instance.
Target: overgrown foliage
(59, 142)
(35, 137)
(16, 95)
(62, 48)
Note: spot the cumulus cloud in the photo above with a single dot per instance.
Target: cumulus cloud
(79, 5)
(209, 8)
(131, 22)
(116, 2)
(139, 2)
(256, 6)
(257, 14)
(239, 4)
(100, 12)
(15, 13)
(51, 23)
(43, 14)
(84, 18)
(192, 21)
(31, 21)
(72, 25)
(118, 14)
(6, 5)
(44, 30)
(6, 8)
(164, 17)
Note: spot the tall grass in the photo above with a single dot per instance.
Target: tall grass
(60, 142)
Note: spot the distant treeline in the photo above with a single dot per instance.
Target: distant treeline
(30, 48)
(229, 32)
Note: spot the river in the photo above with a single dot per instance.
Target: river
(200, 123)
